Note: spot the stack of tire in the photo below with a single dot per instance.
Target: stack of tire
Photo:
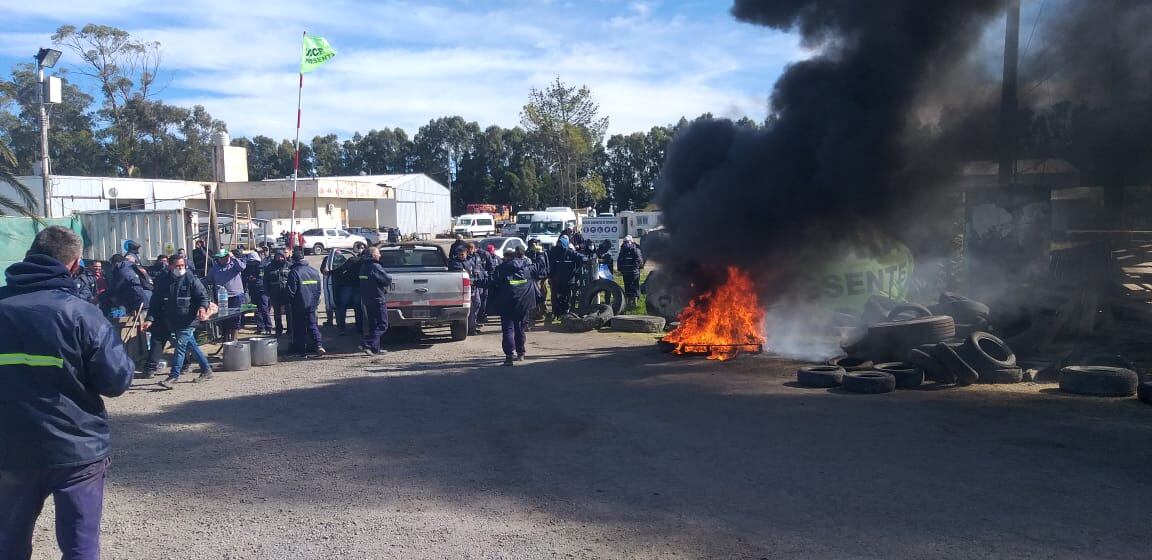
(978, 358)
(597, 318)
(907, 326)
(871, 379)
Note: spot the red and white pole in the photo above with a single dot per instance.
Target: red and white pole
(296, 162)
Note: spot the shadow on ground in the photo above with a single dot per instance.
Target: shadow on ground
(722, 455)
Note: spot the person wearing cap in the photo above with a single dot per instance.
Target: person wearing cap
(514, 292)
(303, 299)
(563, 263)
(630, 262)
(276, 286)
(257, 292)
(227, 275)
(374, 285)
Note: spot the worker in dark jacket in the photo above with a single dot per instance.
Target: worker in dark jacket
(345, 283)
(130, 285)
(460, 262)
(258, 292)
(200, 259)
(374, 286)
(303, 299)
(537, 254)
(86, 283)
(276, 286)
(480, 272)
(630, 262)
(515, 290)
(459, 243)
(563, 263)
(58, 357)
(180, 302)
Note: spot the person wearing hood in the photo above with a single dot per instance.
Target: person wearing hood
(374, 285)
(630, 262)
(130, 285)
(179, 304)
(58, 357)
(303, 299)
(227, 274)
(514, 287)
(85, 282)
(257, 292)
(563, 262)
(276, 286)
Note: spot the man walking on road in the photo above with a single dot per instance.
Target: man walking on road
(630, 262)
(58, 356)
(180, 301)
(374, 284)
(303, 299)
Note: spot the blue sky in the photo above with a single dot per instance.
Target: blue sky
(403, 63)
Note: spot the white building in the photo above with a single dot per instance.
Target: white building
(78, 194)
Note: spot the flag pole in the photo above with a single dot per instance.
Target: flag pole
(296, 159)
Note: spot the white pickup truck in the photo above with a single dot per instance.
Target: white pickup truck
(424, 293)
(321, 239)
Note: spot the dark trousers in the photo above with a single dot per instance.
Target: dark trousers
(478, 296)
(376, 314)
(631, 283)
(561, 294)
(305, 331)
(263, 312)
(229, 327)
(348, 297)
(482, 314)
(280, 309)
(78, 493)
(513, 334)
(160, 337)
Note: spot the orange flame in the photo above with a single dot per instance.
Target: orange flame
(724, 320)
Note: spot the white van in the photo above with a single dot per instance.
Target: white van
(519, 228)
(475, 225)
(547, 225)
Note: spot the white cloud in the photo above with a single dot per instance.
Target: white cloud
(404, 63)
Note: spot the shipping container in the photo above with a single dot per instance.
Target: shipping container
(157, 231)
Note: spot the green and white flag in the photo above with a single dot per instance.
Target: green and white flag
(317, 51)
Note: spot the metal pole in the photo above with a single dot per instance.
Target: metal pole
(212, 243)
(1008, 99)
(45, 166)
(296, 160)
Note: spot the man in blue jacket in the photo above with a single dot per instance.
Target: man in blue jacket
(374, 285)
(303, 299)
(515, 292)
(179, 302)
(563, 263)
(58, 356)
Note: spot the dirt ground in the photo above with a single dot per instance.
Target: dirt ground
(599, 446)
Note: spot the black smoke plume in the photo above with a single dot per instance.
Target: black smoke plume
(841, 151)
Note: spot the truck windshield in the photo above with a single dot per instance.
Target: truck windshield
(553, 228)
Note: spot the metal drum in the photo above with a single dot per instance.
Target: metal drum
(237, 356)
(264, 351)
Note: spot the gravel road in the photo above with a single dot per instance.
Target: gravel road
(600, 447)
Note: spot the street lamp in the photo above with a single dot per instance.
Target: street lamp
(46, 58)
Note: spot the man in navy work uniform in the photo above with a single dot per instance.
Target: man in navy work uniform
(58, 356)
(515, 293)
(374, 284)
(303, 299)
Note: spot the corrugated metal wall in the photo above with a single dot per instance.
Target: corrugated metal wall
(420, 193)
(157, 232)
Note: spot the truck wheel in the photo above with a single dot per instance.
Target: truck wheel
(358, 247)
(459, 330)
(318, 249)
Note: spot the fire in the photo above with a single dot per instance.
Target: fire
(724, 320)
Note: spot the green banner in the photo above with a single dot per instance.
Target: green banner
(316, 51)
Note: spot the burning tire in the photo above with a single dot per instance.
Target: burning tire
(820, 376)
(907, 376)
(869, 382)
(956, 365)
(637, 323)
(850, 363)
(1098, 381)
(985, 352)
(1002, 376)
(590, 296)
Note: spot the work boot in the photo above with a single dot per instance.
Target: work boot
(367, 351)
(320, 352)
(169, 382)
(508, 361)
(520, 357)
(204, 376)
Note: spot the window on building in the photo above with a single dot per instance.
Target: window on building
(126, 204)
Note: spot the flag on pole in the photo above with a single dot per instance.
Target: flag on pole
(317, 51)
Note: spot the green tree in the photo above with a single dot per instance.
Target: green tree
(327, 156)
(72, 143)
(442, 140)
(632, 165)
(125, 69)
(262, 157)
(385, 151)
(25, 202)
(566, 129)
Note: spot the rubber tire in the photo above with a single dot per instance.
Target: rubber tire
(820, 376)
(318, 249)
(956, 365)
(933, 369)
(920, 310)
(1099, 381)
(602, 314)
(980, 359)
(851, 363)
(588, 295)
(637, 323)
(908, 376)
(1144, 392)
(577, 324)
(358, 247)
(891, 340)
(868, 382)
(459, 331)
(1002, 376)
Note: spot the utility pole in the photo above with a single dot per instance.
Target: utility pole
(212, 244)
(1008, 96)
(45, 165)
